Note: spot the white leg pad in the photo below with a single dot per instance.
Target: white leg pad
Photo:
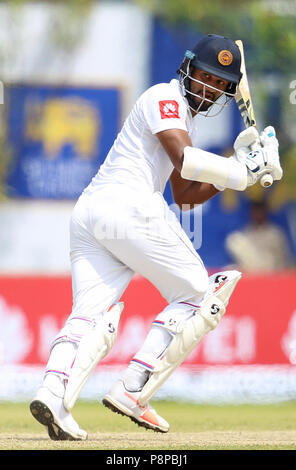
(204, 319)
(93, 347)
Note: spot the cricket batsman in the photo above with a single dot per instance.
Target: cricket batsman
(121, 225)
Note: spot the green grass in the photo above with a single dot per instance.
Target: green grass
(192, 427)
(183, 417)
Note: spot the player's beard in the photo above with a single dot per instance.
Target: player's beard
(202, 103)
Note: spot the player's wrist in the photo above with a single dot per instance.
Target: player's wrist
(218, 187)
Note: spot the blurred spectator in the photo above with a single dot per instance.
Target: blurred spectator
(261, 246)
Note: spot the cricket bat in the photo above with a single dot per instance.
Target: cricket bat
(244, 102)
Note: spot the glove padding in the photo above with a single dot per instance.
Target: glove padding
(260, 154)
(264, 159)
(243, 144)
(246, 141)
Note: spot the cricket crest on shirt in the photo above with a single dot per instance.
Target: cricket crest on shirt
(169, 109)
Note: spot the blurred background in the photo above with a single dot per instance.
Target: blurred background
(70, 73)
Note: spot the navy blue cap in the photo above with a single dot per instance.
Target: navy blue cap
(217, 55)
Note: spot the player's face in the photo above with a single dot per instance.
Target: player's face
(209, 89)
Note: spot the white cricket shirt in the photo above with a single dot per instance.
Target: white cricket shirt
(137, 158)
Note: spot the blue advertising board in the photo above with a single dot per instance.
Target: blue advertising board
(58, 135)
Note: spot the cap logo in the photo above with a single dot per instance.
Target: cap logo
(225, 57)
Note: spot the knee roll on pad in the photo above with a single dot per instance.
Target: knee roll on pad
(173, 316)
(192, 330)
(75, 328)
(93, 347)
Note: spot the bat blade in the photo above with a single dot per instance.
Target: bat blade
(245, 105)
(243, 95)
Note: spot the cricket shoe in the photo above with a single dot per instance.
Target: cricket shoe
(122, 401)
(48, 409)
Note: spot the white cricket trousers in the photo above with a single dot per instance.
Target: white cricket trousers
(117, 232)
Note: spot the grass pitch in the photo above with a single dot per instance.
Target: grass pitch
(193, 427)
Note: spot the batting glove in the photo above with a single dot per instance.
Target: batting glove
(245, 141)
(265, 159)
(264, 155)
(270, 143)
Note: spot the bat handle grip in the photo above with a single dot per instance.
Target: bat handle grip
(267, 180)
